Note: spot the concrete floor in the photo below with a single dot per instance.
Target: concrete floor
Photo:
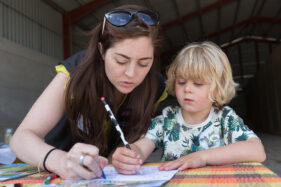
(272, 148)
(273, 151)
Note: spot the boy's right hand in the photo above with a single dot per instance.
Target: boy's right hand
(126, 161)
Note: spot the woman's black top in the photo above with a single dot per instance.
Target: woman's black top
(60, 136)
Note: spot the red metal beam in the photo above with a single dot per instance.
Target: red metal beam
(65, 27)
(70, 18)
(196, 13)
(84, 10)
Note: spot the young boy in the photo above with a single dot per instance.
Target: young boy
(202, 131)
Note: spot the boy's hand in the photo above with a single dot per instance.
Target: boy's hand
(193, 160)
(126, 161)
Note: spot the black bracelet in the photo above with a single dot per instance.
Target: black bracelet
(45, 158)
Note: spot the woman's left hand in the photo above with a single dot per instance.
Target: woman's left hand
(193, 160)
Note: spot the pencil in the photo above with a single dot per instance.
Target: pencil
(112, 117)
(115, 123)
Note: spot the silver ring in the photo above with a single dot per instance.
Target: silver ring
(81, 160)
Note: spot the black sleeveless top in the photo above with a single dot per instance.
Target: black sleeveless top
(60, 136)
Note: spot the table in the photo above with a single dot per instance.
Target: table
(241, 174)
(233, 175)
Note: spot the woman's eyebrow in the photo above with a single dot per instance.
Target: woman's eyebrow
(144, 58)
(122, 55)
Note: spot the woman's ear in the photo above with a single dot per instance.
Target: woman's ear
(101, 50)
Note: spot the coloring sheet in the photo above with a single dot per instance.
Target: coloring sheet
(149, 173)
(150, 176)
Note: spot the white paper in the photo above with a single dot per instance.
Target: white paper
(151, 176)
(150, 173)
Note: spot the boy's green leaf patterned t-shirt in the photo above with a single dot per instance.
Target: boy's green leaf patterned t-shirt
(170, 131)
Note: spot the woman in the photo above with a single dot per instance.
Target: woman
(119, 65)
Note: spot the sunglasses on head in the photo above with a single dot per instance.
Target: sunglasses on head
(122, 17)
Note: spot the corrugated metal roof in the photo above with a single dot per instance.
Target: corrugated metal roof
(183, 21)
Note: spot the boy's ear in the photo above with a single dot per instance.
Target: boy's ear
(101, 50)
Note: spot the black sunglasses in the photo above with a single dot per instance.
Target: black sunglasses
(123, 17)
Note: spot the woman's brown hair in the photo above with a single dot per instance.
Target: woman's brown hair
(88, 83)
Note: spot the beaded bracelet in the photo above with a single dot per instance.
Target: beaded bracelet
(45, 158)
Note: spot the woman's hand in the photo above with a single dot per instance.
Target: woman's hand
(126, 161)
(193, 160)
(73, 166)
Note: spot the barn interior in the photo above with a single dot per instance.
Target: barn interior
(35, 35)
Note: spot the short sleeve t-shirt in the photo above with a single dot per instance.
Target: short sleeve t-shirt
(170, 131)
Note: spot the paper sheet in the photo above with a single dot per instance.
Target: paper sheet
(151, 177)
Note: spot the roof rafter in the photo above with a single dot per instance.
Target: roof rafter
(52, 4)
(244, 22)
(257, 14)
(235, 17)
(229, 28)
(196, 13)
(244, 29)
(185, 35)
(251, 40)
(218, 23)
(271, 25)
(200, 17)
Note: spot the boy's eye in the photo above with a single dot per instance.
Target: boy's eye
(180, 81)
(197, 84)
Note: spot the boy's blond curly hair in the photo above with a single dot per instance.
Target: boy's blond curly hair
(204, 61)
